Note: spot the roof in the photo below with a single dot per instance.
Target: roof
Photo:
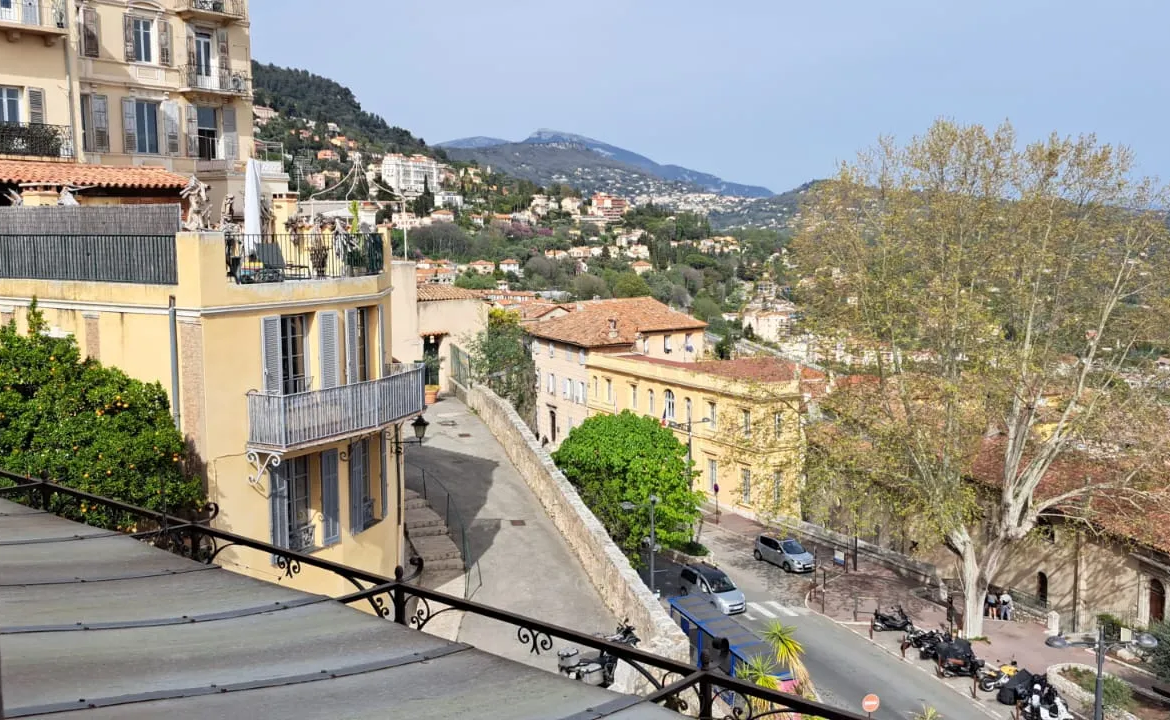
(35, 172)
(760, 369)
(430, 292)
(141, 633)
(510, 260)
(590, 324)
(641, 263)
(482, 262)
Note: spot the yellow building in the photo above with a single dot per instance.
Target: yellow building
(739, 418)
(282, 381)
(164, 84)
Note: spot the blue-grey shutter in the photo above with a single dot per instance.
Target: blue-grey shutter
(355, 488)
(278, 506)
(270, 354)
(330, 497)
(385, 474)
(330, 360)
(351, 345)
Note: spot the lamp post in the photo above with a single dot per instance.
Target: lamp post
(651, 503)
(1143, 640)
(419, 426)
(690, 455)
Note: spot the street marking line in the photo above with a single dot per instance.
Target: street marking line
(749, 616)
(781, 608)
(762, 610)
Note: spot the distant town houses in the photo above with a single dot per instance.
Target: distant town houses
(611, 207)
(599, 220)
(571, 205)
(772, 322)
(412, 173)
(443, 216)
(641, 267)
(483, 267)
(510, 265)
(556, 254)
(448, 199)
(262, 115)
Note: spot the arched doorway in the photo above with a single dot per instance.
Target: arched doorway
(1042, 588)
(1157, 600)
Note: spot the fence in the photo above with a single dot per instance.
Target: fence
(162, 219)
(147, 259)
(439, 499)
(276, 258)
(36, 140)
(461, 366)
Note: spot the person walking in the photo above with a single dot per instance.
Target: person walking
(1005, 605)
(991, 603)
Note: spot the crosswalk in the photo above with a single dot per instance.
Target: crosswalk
(770, 609)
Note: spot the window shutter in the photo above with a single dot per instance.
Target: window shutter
(330, 361)
(90, 43)
(270, 354)
(101, 123)
(86, 122)
(170, 110)
(128, 36)
(381, 360)
(351, 345)
(355, 488)
(231, 140)
(192, 131)
(385, 474)
(164, 44)
(36, 106)
(330, 497)
(192, 58)
(225, 60)
(278, 506)
(31, 13)
(129, 127)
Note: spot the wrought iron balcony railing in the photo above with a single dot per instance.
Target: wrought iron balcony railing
(302, 537)
(226, 8)
(305, 255)
(48, 15)
(286, 422)
(200, 78)
(36, 140)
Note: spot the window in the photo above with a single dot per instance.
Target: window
(357, 348)
(10, 105)
(687, 343)
(581, 391)
(141, 126)
(594, 386)
(552, 350)
(202, 56)
(711, 414)
(535, 347)
(687, 405)
(666, 344)
(567, 388)
(361, 499)
(143, 34)
(746, 421)
(552, 384)
(633, 397)
(207, 132)
(668, 405)
(294, 378)
(712, 473)
(645, 346)
(650, 401)
(300, 518)
(581, 357)
(569, 354)
(777, 487)
(778, 424)
(745, 485)
(608, 390)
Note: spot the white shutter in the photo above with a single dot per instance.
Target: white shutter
(170, 111)
(128, 37)
(270, 354)
(330, 358)
(231, 138)
(351, 346)
(129, 127)
(165, 54)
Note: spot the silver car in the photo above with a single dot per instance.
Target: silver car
(788, 554)
(711, 581)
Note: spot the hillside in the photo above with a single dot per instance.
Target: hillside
(776, 212)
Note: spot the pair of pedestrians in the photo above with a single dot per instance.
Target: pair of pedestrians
(998, 606)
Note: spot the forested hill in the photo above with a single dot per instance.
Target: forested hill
(300, 93)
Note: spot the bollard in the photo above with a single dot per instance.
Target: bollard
(974, 686)
(855, 611)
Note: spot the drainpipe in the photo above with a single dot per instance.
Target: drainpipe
(77, 145)
(172, 318)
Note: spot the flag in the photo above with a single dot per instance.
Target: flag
(664, 422)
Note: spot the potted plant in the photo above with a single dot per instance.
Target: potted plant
(319, 256)
(431, 390)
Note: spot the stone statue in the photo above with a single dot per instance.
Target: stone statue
(14, 197)
(227, 211)
(66, 199)
(198, 206)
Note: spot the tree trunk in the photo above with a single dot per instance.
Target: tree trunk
(974, 582)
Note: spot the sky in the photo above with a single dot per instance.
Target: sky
(768, 92)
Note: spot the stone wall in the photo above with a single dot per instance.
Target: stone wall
(610, 571)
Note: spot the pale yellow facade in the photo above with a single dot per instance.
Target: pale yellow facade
(744, 436)
(291, 378)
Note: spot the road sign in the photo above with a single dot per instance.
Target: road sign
(870, 703)
(716, 488)
(839, 559)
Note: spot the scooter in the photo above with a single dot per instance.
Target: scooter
(956, 658)
(896, 620)
(991, 679)
(596, 669)
(1044, 703)
(930, 643)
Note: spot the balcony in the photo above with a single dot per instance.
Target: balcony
(36, 140)
(281, 423)
(215, 10)
(199, 79)
(303, 256)
(35, 17)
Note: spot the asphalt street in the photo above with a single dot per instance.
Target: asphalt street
(845, 667)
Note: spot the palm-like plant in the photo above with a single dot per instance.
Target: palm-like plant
(761, 671)
(789, 652)
(928, 713)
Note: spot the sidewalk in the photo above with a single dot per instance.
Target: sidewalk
(873, 584)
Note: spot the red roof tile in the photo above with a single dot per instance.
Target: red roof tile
(759, 369)
(431, 292)
(79, 175)
(590, 324)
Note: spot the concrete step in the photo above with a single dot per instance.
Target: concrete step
(415, 504)
(422, 517)
(432, 548)
(455, 564)
(428, 531)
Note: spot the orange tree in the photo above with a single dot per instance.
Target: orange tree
(87, 426)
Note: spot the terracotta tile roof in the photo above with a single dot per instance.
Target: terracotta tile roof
(536, 310)
(759, 369)
(589, 325)
(641, 263)
(509, 261)
(79, 175)
(430, 292)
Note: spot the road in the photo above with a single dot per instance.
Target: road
(844, 666)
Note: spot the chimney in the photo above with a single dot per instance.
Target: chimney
(613, 333)
(580, 306)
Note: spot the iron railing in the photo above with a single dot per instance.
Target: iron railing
(461, 368)
(286, 422)
(438, 497)
(230, 8)
(215, 80)
(303, 256)
(36, 140)
(36, 13)
(302, 537)
(147, 259)
(705, 691)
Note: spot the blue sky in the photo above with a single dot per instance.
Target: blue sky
(769, 92)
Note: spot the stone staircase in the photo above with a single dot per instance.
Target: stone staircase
(429, 536)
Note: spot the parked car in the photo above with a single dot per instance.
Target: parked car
(788, 554)
(703, 579)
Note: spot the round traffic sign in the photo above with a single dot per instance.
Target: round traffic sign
(870, 703)
(716, 488)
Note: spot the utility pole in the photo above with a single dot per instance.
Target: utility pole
(654, 546)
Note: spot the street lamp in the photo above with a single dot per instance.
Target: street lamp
(652, 502)
(1143, 640)
(419, 426)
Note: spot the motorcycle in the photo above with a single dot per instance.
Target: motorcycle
(956, 658)
(991, 679)
(896, 620)
(931, 642)
(596, 669)
(1044, 703)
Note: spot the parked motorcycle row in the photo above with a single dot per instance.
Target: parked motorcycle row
(953, 657)
(596, 669)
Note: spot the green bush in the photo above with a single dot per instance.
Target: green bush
(690, 547)
(1116, 693)
(1160, 656)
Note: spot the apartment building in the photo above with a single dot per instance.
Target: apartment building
(127, 84)
(611, 207)
(740, 420)
(281, 380)
(772, 322)
(561, 348)
(411, 173)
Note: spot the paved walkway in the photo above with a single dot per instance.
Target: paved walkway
(525, 564)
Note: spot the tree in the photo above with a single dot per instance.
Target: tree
(424, 203)
(630, 285)
(612, 459)
(587, 287)
(472, 280)
(996, 293)
(789, 654)
(502, 359)
(88, 426)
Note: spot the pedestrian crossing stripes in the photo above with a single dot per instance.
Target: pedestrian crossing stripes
(770, 608)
